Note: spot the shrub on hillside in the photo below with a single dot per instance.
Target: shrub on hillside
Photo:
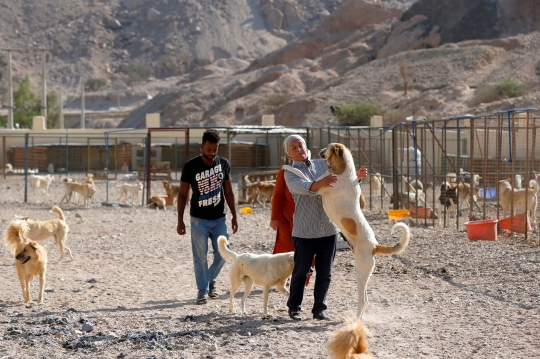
(275, 100)
(358, 113)
(94, 84)
(507, 88)
(136, 73)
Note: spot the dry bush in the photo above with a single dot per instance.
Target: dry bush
(507, 88)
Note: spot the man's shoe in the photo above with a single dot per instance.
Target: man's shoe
(321, 316)
(202, 299)
(295, 315)
(212, 291)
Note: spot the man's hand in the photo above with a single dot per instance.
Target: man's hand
(181, 228)
(234, 225)
(274, 224)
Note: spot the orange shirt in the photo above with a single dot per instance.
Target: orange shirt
(283, 210)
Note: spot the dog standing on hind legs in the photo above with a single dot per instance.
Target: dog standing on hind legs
(30, 258)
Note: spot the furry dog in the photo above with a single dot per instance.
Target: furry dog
(30, 258)
(172, 190)
(85, 190)
(349, 342)
(41, 182)
(129, 188)
(465, 194)
(267, 270)
(408, 199)
(56, 228)
(260, 191)
(448, 198)
(158, 202)
(377, 183)
(131, 176)
(513, 199)
(341, 204)
(8, 168)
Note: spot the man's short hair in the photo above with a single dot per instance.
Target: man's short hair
(211, 136)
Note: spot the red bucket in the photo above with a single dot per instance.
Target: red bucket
(485, 230)
(519, 224)
(420, 212)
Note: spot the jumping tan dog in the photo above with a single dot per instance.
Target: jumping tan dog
(267, 270)
(56, 228)
(341, 204)
(349, 342)
(30, 258)
(260, 191)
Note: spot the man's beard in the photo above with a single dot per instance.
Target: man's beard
(211, 159)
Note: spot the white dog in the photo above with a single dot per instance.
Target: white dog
(513, 199)
(129, 188)
(268, 270)
(41, 182)
(341, 204)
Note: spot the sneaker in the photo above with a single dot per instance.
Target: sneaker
(202, 299)
(295, 315)
(321, 316)
(212, 291)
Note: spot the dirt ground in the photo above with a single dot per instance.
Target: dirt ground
(130, 292)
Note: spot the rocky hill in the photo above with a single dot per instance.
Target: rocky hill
(227, 62)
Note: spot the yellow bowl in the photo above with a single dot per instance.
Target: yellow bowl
(246, 210)
(399, 215)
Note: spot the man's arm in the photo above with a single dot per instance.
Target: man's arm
(181, 205)
(229, 197)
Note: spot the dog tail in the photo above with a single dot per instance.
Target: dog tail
(350, 341)
(223, 250)
(248, 182)
(15, 234)
(398, 247)
(59, 212)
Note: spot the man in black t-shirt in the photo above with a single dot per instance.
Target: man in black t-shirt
(209, 178)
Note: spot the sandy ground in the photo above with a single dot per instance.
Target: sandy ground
(130, 293)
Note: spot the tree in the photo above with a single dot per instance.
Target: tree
(3, 64)
(136, 73)
(27, 104)
(53, 109)
(358, 113)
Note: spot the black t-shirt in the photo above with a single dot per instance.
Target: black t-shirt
(207, 200)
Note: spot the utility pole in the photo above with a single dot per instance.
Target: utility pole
(61, 108)
(43, 87)
(82, 102)
(10, 92)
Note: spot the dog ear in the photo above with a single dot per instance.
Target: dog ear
(338, 151)
(33, 245)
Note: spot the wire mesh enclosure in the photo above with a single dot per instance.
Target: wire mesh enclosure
(410, 164)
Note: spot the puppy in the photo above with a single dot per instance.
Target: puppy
(513, 199)
(86, 190)
(267, 270)
(30, 258)
(128, 188)
(158, 202)
(258, 189)
(341, 204)
(41, 182)
(377, 183)
(349, 342)
(8, 168)
(172, 190)
(56, 228)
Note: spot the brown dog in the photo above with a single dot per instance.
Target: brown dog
(349, 342)
(158, 202)
(172, 190)
(30, 258)
(260, 191)
(56, 228)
